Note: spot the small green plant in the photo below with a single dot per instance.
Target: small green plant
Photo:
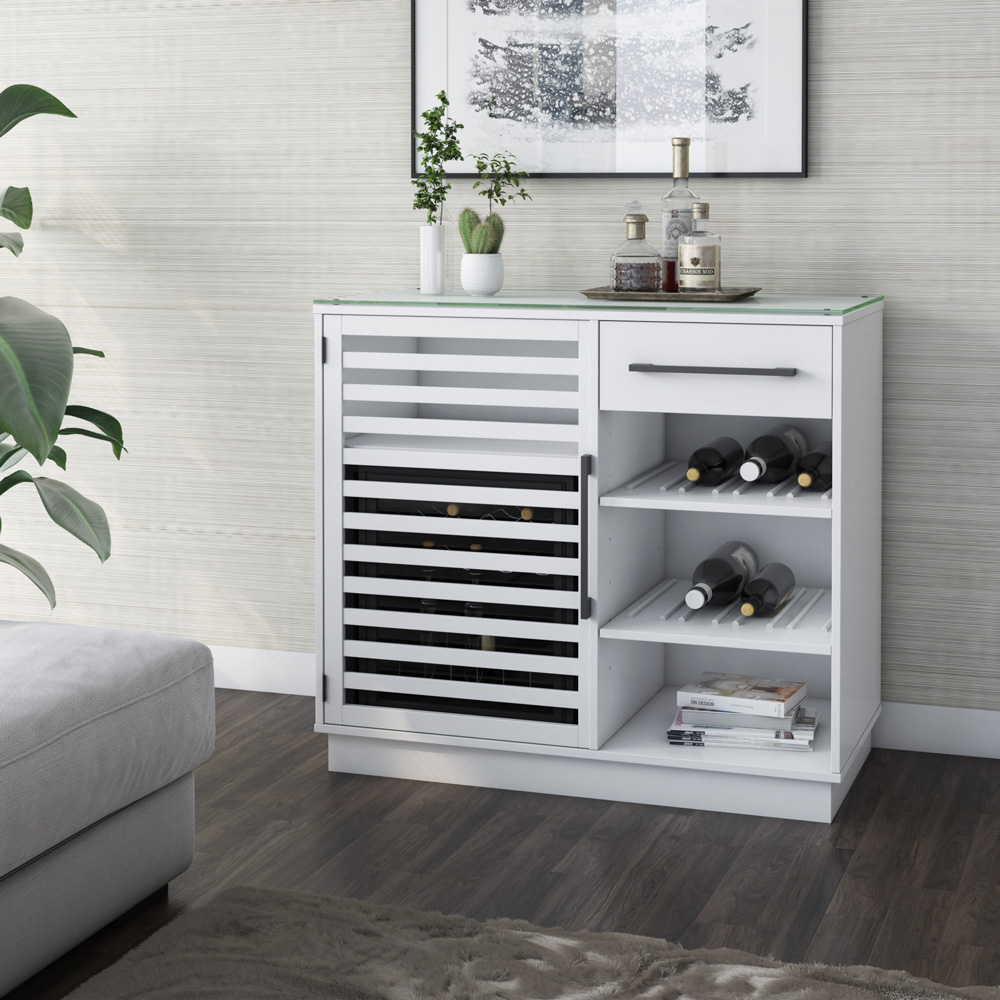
(500, 182)
(437, 145)
(36, 371)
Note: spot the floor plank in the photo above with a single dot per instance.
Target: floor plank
(907, 876)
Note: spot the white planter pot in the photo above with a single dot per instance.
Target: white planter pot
(432, 260)
(482, 273)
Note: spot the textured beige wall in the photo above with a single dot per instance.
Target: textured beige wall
(235, 159)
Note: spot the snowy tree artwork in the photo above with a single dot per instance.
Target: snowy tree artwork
(601, 86)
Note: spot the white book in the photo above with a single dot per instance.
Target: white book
(740, 693)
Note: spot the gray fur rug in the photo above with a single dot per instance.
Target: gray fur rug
(253, 944)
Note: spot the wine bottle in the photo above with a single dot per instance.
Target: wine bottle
(699, 254)
(453, 510)
(816, 469)
(774, 456)
(768, 591)
(676, 220)
(719, 579)
(715, 462)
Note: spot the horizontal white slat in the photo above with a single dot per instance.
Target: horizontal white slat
(463, 328)
(356, 452)
(474, 726)
(441, 394)
(385, 360)
(504, 694)
(461, 625)
(557, 499)
(479, 526)
(482, 593)
(493, 429)
(491, 659)
(461, 560)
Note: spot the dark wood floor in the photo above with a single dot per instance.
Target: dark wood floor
(907, 877)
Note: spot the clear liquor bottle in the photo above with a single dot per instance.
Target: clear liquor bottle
(768, 591)
(676, 220)
(699, 255)
(636, 265)
(720, 578)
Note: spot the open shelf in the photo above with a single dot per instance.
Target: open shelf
(665, 487)
(802, 626)
(643, 739)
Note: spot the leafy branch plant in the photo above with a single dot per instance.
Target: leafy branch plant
(36, 372)
(437, 145)
(500, 182)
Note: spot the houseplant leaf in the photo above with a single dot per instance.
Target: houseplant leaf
(16, 206)
(32, 569)
(36, 368)
(112, 429)
(10, 455)
(12, 242)
(58, 455)
(22, 100)
(73, 512)
(88, 350)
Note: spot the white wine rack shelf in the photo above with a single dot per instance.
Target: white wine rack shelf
(803, 625)
(665, 487)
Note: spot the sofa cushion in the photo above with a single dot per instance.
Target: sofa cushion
(92, 719)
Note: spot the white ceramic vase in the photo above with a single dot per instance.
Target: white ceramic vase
(482, 273)
(432, 259)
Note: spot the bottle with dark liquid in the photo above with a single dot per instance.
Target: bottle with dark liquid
(676, 213)
(768, 591)
(475, 610)
(636, 266)
(816, 469)
(774, 456)
(720, 578)
(715, 462)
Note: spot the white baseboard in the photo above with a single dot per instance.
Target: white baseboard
(270, 670)
(969, 732)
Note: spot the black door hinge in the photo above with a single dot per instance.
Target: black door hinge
(323, 348)
(324, 689)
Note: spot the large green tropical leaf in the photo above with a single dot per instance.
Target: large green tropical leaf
(109, 425)
(76, 514)
(32, 569)
(36, 369)
(13, 242)
(88, 350)
(69, 509)
(10, 455)
(22, 100)
(15, 204)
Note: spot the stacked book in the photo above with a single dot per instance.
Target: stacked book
(731, 710)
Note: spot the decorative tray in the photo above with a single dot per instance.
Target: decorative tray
(723, 295)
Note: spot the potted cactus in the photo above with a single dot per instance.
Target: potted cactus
(482, 263)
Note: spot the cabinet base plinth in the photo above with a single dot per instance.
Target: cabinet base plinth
(679, 788)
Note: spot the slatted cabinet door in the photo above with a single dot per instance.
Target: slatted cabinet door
(462, 596)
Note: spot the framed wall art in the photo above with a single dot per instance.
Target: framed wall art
(599, 87)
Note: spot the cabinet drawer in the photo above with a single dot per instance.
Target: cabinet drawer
(806, 350)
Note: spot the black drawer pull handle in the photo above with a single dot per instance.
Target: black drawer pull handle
(708, 370)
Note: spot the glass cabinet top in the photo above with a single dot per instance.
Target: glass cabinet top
(810, 305)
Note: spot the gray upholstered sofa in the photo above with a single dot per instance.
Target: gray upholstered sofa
(100, 730)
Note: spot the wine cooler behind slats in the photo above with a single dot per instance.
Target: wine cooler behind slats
(462, 531)
(462, 612)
